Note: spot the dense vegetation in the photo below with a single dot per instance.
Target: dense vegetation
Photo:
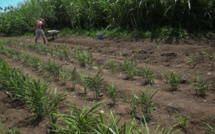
(111, 14)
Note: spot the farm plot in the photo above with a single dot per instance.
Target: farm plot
(163, 82)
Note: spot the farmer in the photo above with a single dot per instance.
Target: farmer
(39, 30)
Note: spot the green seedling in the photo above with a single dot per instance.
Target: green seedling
(129, 68)
(133, 100)
(210, 129)
(193, 61)
(148, 75)
(95, 82)
(83, 81)
(79, 120)
(74, 77)
(112, 66)
(174, 80)
(201, 86)
(181, 120)
(112, 92)
(65, 75)
(145, 102)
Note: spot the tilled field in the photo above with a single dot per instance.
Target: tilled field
(185, 57)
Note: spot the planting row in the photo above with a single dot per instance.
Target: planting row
(129, 68)
(37, 96)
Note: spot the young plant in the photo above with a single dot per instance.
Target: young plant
(83, 81)
(210, 129)
(193, 60)
(112, 66)
(181, 120)
(212, 60)
(53, 68)
(65, 76)
(174, 80)
(113, 126)
(66, 53)
(145, 102)
(112, 92)
(201, 86)
(35, 63)
(60, 54)
(132, 100)
(129, 68)
(95, 82)
(148, 75)
(74, 77)
(78, 121)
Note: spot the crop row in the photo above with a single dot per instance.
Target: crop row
(129, 68)
(37, 96)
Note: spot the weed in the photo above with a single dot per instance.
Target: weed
(173, 79)
(201, 86)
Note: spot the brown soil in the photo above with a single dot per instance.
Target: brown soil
(161, 57)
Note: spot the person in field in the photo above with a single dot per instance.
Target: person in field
(39, 30)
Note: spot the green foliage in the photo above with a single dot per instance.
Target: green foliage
(181, 120)
(74, 77)
(174, 80)
(112, 92)
(148, 75)
(95, 82)
(145, 102)
(210, 129)
(53, 68)
(78, 121)
(65, 75)
(201, 86)
(193, 60)
(112, 66)
(132, 100)
(84, 58)
(113, 15)
(129, 68)
(112, 126)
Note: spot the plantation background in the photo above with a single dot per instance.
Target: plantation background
(135, 15)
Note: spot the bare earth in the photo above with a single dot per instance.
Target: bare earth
(161, 57)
